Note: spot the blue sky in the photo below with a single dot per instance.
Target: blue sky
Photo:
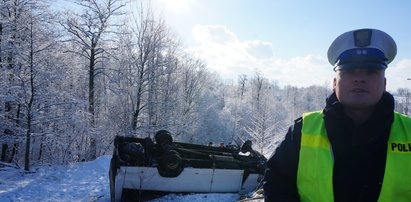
(287, 40)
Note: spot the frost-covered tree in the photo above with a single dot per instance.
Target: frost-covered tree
(10, 105)
(191, 80)
(30, 74)
(262, 121)
(150, 65)
(242, 82)
(403, 99)
(89, 27)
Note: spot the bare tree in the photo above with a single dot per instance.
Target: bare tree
(151, 41)
(87, 29)
(38, 58)
(259, 127)
(13, 17)
(242, 81)
(403, 100)
(257, 85)
(193, 77)
(30, 42)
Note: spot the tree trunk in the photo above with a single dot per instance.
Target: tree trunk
(1, 36)
(137, 111)
(91, 86)
(93, 147)
(4, 149)
(40, 149)
(27, 152)
(30, 104)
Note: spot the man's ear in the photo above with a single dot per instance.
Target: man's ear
(334, 83)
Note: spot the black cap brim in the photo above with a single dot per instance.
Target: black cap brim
(370, 66)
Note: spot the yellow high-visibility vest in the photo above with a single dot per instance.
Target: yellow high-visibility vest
(315, 167)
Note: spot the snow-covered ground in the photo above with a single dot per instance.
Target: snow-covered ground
(85, 181)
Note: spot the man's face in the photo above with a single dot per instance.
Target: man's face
(359, 88)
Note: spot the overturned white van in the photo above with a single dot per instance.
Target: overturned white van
(141, 169)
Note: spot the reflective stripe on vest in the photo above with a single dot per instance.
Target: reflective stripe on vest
(315, 168)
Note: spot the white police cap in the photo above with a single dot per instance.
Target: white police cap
(362, 48)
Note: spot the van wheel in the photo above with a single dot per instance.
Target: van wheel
(171, 164)
(163, 137)
(247, 146)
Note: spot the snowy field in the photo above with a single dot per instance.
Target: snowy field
(85, 181)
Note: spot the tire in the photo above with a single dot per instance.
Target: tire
(170, 164)
(247, 146)
(163, 137)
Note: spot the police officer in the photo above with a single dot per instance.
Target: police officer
(356, 148)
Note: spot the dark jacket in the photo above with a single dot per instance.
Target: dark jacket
(359, 155)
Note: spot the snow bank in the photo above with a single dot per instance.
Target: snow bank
(85, 181)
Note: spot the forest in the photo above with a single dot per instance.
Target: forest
(73, 79)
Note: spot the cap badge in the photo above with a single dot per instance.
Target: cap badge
(362, 37)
